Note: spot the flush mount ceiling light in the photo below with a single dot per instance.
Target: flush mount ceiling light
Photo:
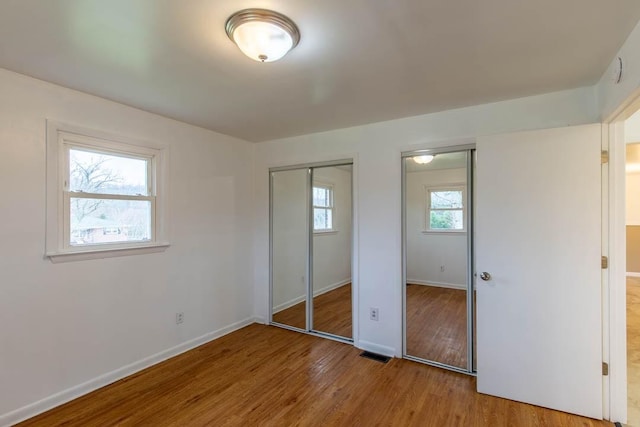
(262, 35)
(423, 160)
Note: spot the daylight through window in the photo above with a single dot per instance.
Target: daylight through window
(322, 207)
(108, 197)
(445, 209)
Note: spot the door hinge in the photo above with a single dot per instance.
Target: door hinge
(605, 368)
(604, 157)
(604, 262)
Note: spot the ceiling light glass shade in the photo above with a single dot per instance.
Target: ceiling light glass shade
(423, 160)
(262, 35)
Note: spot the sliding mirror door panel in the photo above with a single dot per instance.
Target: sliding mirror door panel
(289, 240)
(331, 250)
(437, 259)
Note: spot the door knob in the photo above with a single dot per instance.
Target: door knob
(485, 276)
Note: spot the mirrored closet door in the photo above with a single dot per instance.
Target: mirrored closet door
(289, 238)
(331, 251)
(438, 283)
(311, 241)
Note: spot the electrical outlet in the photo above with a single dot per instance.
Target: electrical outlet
(179, 318)
(373, 314)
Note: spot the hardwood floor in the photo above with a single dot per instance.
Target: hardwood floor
(267, 376)
(633, 351)
(436, 320)
(437, 324)
(332, 313)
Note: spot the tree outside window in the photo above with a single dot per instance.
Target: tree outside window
(108, 198)
(445, 209)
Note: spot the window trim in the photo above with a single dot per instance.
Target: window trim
(332, 207)
(60, 139)
(427, 210)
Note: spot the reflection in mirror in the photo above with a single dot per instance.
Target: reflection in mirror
(436, 259)
(472, 286)
(289, 234)
(332, 221)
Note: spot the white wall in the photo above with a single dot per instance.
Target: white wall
(632, 188)
(376, 151)
(632, 191)
(632, 138)
(66, 324)
(429, 253)
(632, 128)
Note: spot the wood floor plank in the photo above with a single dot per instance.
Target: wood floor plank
(266, 376)
(437, 324)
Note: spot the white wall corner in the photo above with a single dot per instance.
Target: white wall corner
(261, 320)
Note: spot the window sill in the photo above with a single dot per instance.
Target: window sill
(321, 232)
(445, 232)
(99, 253)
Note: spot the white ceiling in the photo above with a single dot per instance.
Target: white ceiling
(358, 61)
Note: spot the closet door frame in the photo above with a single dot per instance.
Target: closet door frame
(469, 200)
(309, 249)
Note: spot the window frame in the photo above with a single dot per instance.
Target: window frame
(148, 155)
(427, 211)
(332, 207)
(63, 138)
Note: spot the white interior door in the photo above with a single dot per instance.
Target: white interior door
(539, 236)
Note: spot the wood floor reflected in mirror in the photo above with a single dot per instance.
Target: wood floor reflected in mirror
(332, 313)
(437, 324)
(293, 316)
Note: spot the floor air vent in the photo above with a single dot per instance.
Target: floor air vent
(374, 356)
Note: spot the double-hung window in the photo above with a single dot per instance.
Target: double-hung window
(323, 208)
(106, 194)
(446, 210)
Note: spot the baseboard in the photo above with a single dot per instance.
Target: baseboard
(436, 284)
(288, 304)
(377, 348)
(69, 394)
(298, 300)
(331, 287)
(632, 274)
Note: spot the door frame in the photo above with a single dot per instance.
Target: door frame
(309, 249)
(470, 198)
(614, 246)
